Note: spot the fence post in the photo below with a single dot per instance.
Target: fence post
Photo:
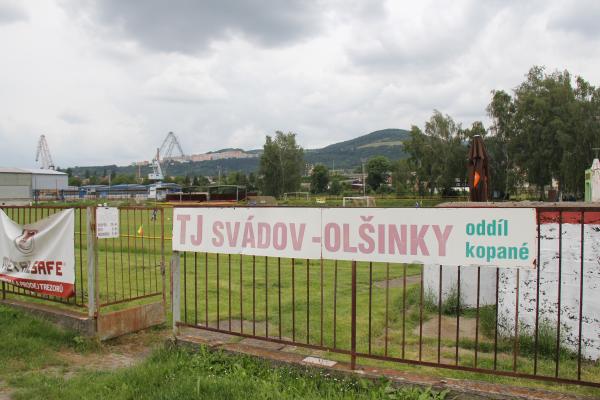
(3, 291)
(91, 262)
(175, 292)
(162, 257)
(353, 326)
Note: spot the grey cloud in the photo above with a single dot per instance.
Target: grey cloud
(582, 18)
(11, 12)
(437, 40)
(72, 118)
(191, 26)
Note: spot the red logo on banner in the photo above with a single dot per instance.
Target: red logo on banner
(24, 242)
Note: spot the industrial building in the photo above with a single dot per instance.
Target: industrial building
(21, 185)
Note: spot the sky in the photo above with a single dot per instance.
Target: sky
(105, 81)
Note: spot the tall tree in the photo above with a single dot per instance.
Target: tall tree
(281, 164)
(378, 171)
(437, 155)
(553, 129)
(402, 178)
(505, 175)
(319, 179)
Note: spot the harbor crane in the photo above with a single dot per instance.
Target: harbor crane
(169, 151)
(43, 154)
(157, 172)
(169, 144)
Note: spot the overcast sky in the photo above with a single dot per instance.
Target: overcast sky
(105, 81)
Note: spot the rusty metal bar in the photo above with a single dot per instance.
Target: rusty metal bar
(516, 341)
(121, 257)
(403, 310)
(147, 295)
(581, 277)
(307, 301)
(439, 332)
(496, 323)
(254, 295)
(162, 253)
(370, 301)
(335, 278)
(143, 252)
(420, 321)
(229, 289)
(206, 289)
(153, 243)
(387, 305)
(477, 315)
(241, 293)
(559, 308)
(149, 253)
(195, 288)
(293, 300)
(137, 288)
(537, 297)
(81, 284)
(279, 292)
(106, 276)
(218, 299)
(353, 320)
(266, 296)
(321, 340)
(129, 254)
(457, 315)
(114, 267)
(185, 309)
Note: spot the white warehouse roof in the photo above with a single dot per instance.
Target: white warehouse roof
(34, 171)
(43, 171)
(7, 170)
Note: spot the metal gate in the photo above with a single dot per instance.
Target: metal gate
(113, 277)
(541, 324)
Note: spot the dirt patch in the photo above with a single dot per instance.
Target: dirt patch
(448, 328)
(398, 282)
(5, 392)
(122, 352)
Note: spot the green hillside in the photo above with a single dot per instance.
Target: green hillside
(346, 155)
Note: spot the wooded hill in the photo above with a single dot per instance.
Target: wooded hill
(344, 155)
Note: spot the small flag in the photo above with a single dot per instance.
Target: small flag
(477, 179)
(140, 231)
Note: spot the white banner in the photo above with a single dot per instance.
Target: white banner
(504, 237)
(41, 256)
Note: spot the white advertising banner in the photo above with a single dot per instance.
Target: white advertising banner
(40, 256)
(505, 237)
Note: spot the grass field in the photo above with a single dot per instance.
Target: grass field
(279, 306)
(34, 366)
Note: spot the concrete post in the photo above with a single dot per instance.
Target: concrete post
(91, 262)
(176, 291)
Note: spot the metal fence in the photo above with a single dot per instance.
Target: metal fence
(541, 323)
(128, 268)
(131, 267)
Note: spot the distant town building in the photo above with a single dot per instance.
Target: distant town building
(220, 155)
